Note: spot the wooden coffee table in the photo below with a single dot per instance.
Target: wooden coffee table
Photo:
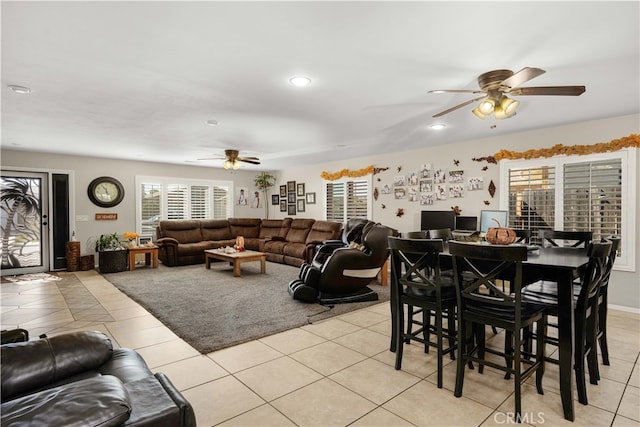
(236, 259)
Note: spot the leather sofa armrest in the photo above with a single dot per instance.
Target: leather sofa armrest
(99, 401)
(188, 417)
(168, 250)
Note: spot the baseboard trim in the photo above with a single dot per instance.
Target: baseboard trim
(624, 308)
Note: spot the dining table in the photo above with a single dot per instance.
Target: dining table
(562, 265)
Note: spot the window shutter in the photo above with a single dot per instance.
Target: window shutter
(357, 199)
(151, 207)
(221, 205)
(532, 199)
(200, 206)
(177, 206)
(593, 197)
(335, 201)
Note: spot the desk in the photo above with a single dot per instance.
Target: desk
(561, 265)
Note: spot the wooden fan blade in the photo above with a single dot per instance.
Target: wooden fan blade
(212, 158)
(252, 160)
(549, 90)
(454, 91)
(447, 111)
(522, 76)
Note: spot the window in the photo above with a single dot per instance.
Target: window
(577, 193)
(347, 199)
(173, 198)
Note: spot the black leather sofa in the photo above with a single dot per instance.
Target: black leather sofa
(78, 379)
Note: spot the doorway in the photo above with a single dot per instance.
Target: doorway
(25, 222)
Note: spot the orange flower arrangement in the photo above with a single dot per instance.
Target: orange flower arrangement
(131, 235)
(632, 140)
(346, 172)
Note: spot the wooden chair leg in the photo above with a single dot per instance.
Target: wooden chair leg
(541, 329)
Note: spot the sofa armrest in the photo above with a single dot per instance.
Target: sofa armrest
(99, 401)
(188, 417)
(168, 250)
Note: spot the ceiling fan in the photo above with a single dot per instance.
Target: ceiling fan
(496, 84)
(232, 159)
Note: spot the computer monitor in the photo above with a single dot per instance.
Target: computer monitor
(432, 220)
(487, 220)
(468, 223)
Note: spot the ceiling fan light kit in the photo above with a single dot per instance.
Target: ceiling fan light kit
(232, 159)
(497, 83)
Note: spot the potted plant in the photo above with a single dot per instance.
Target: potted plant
(112, 255)
(263, 182)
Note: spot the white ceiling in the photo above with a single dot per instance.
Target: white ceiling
(138, 80)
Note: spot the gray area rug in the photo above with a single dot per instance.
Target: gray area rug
(211, 309)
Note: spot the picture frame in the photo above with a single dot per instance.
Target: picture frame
(275, 199)
(283, 205)
(283, 191)
(300, 190)
(291, 209)
(311, 198)
(143, 240)
(291, 186)
(291, 198)
(300, 205)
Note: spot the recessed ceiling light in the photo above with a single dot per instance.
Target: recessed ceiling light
(19, 89)
(300, 81)
(212, 122)
(438, 126)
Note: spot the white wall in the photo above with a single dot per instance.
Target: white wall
(625, 289)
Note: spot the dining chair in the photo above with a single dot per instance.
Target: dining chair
(416, 282)
(603, 300)
(586, 294)
(572, 239)
(481, 302)
(440, 233)
(415, 235)
(523, 236)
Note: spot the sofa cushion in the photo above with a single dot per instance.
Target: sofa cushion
(271, 228)
(300, 228)
(294, 250)
(184, 231)
(100, 401)
(215, 229)
(324, 230)
(245, 227)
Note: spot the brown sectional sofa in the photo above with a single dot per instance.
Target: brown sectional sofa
(286, 241)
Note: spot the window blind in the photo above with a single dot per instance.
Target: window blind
(199, 203)
(593, 197)
(532, 199)
(177, 207)
(347, 199)
(221, 205)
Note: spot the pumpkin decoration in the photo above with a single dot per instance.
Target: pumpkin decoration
(500, 235)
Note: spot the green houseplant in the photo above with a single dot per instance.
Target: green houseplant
(112, 255)
(264, 181)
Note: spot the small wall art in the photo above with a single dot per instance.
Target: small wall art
(311, 198)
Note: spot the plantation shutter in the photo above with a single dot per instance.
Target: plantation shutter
(593, 197)
(335, 201)
(357, 199)
(221, 205)
(532, 199)
(151, 195)
(177, 206)
(200, 206)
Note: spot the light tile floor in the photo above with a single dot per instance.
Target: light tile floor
(337, 372)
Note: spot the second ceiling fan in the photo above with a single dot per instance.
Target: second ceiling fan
(496, 84)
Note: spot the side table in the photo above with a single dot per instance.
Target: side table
(150, 256)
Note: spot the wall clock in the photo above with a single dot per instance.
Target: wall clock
(105, 192)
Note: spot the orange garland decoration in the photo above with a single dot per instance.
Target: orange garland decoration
(632, 140)
(346, 172)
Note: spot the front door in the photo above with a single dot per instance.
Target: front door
(25, 219)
